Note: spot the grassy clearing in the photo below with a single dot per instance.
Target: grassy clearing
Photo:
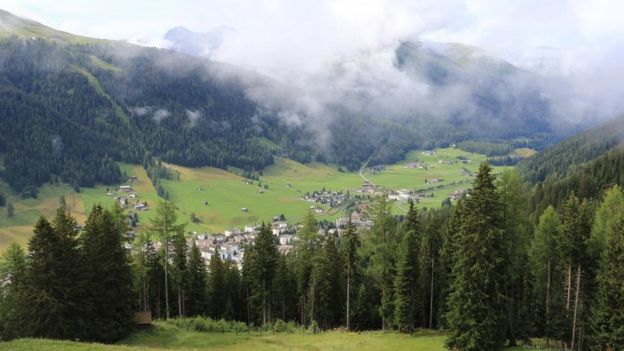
(170, 337)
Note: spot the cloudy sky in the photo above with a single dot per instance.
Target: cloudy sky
(313, 30)
(580, 40)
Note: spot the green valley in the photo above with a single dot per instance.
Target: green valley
(217, 197)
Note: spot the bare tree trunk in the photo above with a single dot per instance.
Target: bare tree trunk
(431, 294)
(166, 277)
(179, 301)
(263, 304)
(569, 287)
(548, 307)
(348, 296)
(576, 302)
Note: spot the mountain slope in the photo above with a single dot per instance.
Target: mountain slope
(561, 159)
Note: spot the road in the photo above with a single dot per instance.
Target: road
(362, 174)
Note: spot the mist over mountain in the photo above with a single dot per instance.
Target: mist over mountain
(107, 101)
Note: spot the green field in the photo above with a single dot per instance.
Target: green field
(225, 192)
(170, 337)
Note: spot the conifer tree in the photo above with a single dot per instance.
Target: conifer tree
(107, 277)
(197, 281)
(548, 266)
(476, 314)
(179, 272)
(216, 285)
(263, 267)
(305, 249)
(12, 280)
(384, 241)
(608, 311)
(164, 227)
(405, 284)
(53, 286)
(351, 244)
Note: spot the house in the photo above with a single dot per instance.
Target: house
(465, 172)
(244, 209)
(429, 152)
(125, 188)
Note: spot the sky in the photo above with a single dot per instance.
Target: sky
(316, 30)
(293, 40)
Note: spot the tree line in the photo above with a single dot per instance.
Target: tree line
(487, 270)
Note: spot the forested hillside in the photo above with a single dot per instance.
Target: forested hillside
(72, 106)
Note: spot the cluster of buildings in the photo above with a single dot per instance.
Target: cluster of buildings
(403, 195)
(326, 197)
(126, 197)
(458, 194)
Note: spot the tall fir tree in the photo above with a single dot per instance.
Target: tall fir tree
(107, 277)
(477, 310)
(608, 311)
(216, 286)
(548, 266)
(53, 287)
(263, 267)
(305, 249)
(12, 288)
(164, 226)
(351, 244)
(406, 284)
(197, 282)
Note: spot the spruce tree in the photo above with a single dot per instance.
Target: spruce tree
(164, 227)
(325, 295)
(197, 282)
(179, 271)
(405, 284)
(548, 265)
(108, 277)
(351, 244)
(476, 314)
(53, 285)
(263, 267)
(608, 310)
(12, 288)
(305, 248)
(216, 285)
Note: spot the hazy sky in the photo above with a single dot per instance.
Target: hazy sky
(321, 29)
(579, 40)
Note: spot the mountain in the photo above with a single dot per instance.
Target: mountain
(71, 107)
(586, 164)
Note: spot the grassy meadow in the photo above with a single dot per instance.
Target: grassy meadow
(217, 196)
(165, 336)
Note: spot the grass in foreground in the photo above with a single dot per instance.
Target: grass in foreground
(165, 336)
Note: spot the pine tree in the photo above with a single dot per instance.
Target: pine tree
(514, 201)
(547, 267)
(108, 277)
(53, 282)
(263, 267)
(10, 210)
(164, 227)
(608, 311)
(325, 294)
(576, 230)
(476, 309)
(405, 284)
(351, 244)
(197, 281)
(305, 249)
(12, 287)
(179, 271)
(216, 285)
(384, 240)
